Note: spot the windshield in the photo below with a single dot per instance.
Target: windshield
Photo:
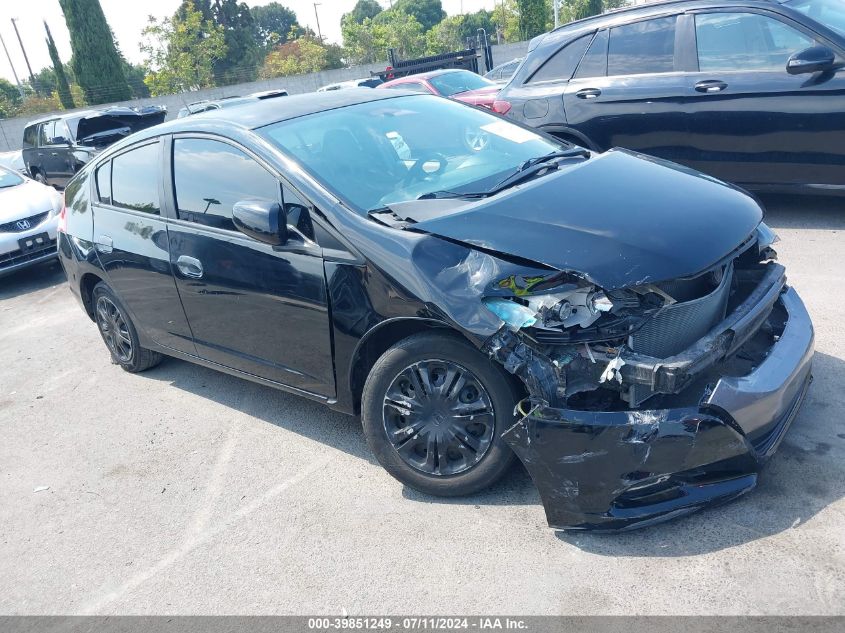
(375, 154)
(831, 13)
(9, 178)
(449, 84)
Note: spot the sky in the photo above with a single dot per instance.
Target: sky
(127, 19)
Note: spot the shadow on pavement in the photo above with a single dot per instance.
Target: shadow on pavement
(32, 279)
(805, 212)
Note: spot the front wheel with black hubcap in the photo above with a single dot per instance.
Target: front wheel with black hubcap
(119, 333)
(434, 409)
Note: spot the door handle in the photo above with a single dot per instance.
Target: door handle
(189, 266)
(588, 93)
(104, 244)
(54, 153)
(710, 86)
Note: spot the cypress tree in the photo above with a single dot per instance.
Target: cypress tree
(62, 86)
(96, 62)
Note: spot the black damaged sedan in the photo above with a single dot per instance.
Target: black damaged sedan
(476, 291)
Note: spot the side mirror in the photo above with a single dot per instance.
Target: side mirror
(811, 60)
(59, 140)
(261, 219)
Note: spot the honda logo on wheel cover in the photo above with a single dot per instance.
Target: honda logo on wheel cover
(23, 225)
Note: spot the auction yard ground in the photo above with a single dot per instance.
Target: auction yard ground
(183, 490)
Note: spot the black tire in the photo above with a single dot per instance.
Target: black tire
(119, 333)
(452, 473)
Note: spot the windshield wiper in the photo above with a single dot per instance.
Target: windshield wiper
(527, 169)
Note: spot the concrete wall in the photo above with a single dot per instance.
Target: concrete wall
(11, 130)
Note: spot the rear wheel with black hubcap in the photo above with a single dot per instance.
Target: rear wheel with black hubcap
(119, 333)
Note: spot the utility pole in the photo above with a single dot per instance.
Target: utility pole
(25, 58)
(15, 74)
(557, 12)
(316, 15)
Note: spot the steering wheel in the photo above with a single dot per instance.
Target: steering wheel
(417, 170)
(476, 139)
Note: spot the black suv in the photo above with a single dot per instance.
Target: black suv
(749, 91)
(55, 148)
(429, 266)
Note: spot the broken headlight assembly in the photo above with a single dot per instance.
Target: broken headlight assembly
(576, 311)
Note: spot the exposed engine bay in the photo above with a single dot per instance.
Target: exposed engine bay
(579, 346)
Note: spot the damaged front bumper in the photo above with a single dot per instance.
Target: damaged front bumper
(623, 469)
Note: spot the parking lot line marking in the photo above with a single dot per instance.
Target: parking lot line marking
(97, 606)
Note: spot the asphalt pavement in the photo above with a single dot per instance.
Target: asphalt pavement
(186, 491)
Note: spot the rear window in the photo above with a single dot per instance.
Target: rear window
(642, 48)
(30, 136)
(449, 84)
(562, 64)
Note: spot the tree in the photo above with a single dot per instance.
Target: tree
(10, 99)
(479, 20)
(533, 16)
(96, 63)
(446, 36)
(364, 9)
(135, 75)
(506, 18)
(271, 24)
(181, 51)
(60, 83)
(240, 63)
(301, 56)
(368, 42)
(426, 12)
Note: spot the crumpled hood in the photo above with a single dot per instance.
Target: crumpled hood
(618, 219)
(26, 200)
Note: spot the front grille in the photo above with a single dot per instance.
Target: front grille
(32, 221)
(681, 324)
(7, 260)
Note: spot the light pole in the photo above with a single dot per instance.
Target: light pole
(316, 15)
(12, 66)
(25, 58)
(557, 12)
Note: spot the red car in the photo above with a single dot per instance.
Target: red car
(461, 85)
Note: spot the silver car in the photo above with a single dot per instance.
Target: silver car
(29, 215)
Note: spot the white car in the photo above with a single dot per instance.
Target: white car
(13, 160)
(29, 215)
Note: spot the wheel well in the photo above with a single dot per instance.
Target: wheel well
(386, 337)
(377, 344)
(86, 290)
(571, 137)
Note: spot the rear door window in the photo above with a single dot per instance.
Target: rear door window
(104, 183)
(135, 179)
(642, 48)
(594, 62)
(561, 65)
(210, 176)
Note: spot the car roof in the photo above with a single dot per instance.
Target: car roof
(250, 116)
(656, 7)
(70, 115)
